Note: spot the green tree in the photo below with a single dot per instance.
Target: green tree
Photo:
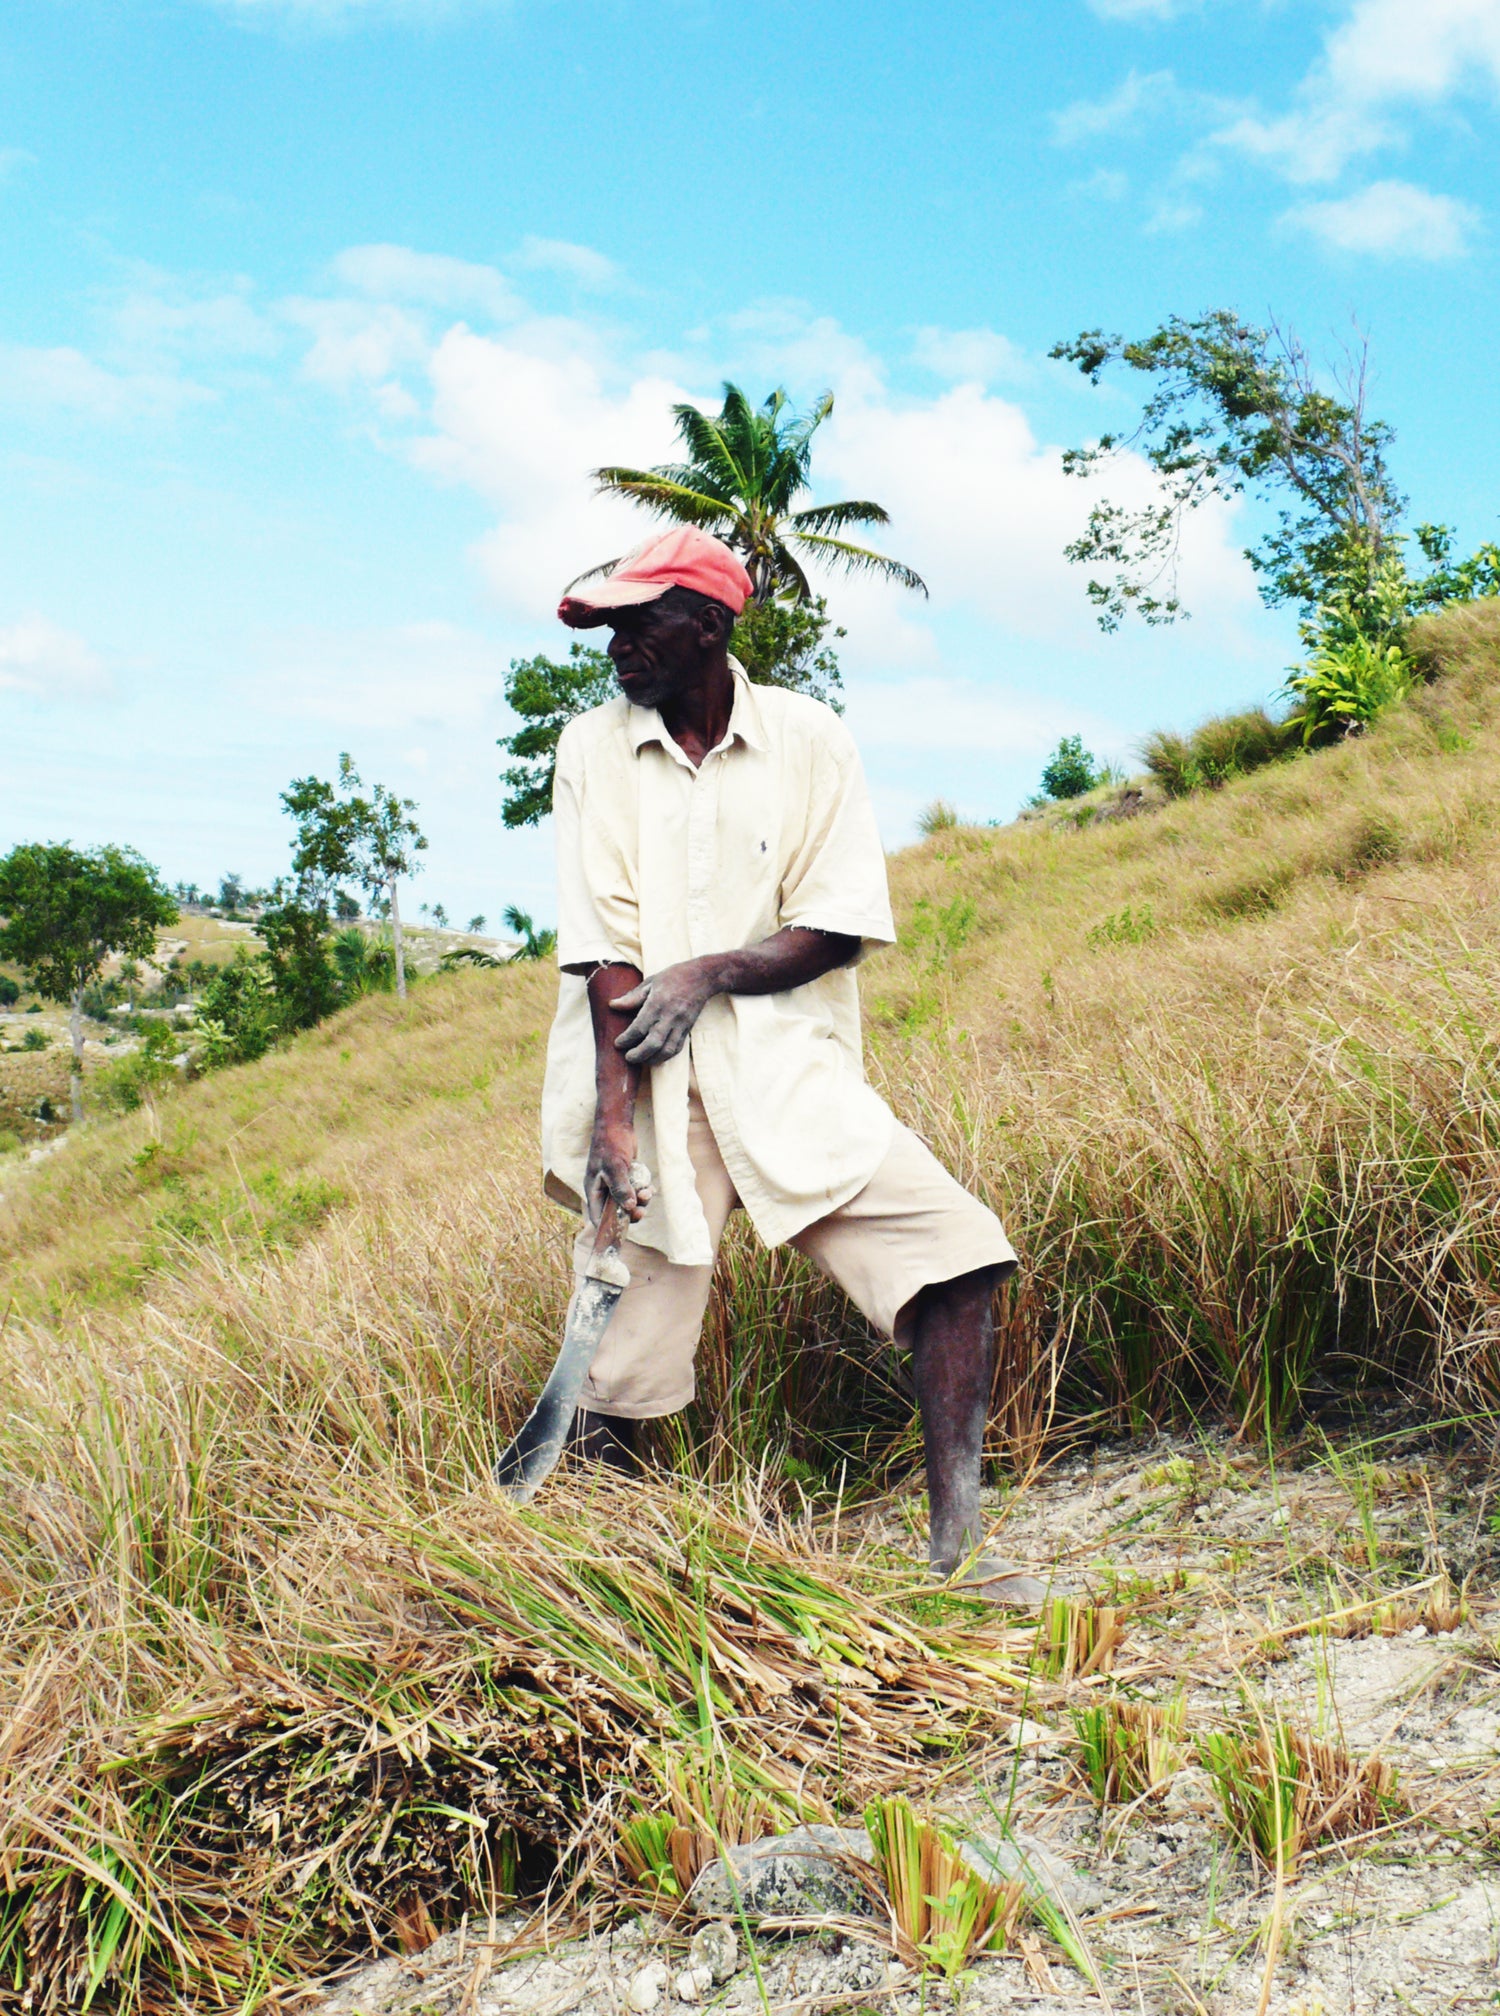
(66, 912)
(239, 1014)
(781, 644)
(745, 468)
(344, 836)
(534, 944)
(1235, 408)
(1070, 770)
(547, 693)
(295, 928)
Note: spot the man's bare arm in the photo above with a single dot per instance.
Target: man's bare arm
(616, 1083)
(666, 1006)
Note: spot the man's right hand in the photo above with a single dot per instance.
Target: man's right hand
(611, 1154)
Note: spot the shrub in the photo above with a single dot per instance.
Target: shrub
(363, 965)
(938, 817)
(1124, 927)
(1169, 758)
(1229, 745)
(1070, 770)
(239, 1016)
(10, 993)
(1348, 683)
(128, 1083)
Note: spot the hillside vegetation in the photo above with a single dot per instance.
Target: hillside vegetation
(1226, 1069)
(1229, 1071)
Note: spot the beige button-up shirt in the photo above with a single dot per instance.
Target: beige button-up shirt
(659, 862)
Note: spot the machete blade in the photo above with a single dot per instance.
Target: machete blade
(531, 1458)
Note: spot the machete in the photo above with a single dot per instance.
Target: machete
(528, 1462)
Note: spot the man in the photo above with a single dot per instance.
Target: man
(719, 875)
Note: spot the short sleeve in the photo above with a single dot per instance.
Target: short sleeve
(587, 873)
(836, 878)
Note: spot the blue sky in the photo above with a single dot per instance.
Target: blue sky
(316, 313)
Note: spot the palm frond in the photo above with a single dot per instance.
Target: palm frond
(593, 573)
(691, 477)
(666, 499)
(800, 435)
(786, 571)
(711, 447)
(860, 560)
(834, 517)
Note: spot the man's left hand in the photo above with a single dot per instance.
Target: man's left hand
(666, 1005)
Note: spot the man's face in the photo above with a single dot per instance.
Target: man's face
(660, 651)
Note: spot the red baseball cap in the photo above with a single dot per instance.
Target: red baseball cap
(681, 558)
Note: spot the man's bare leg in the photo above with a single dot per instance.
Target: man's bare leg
(953, 1366)
(609, 1439)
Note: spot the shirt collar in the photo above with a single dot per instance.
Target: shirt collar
(745, 723)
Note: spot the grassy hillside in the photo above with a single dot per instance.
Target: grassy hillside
(1229, 1070)
(1225, 1068)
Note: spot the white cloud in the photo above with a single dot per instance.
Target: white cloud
(979, 506)
(945, 713)
(977, 356)
(63, 379)
(159, 314)
(524, 424)
(1173, 213)
(1142, 10)
(1385, 54)
(339, 13)
(983, 510)
(39, 658)
(579, 263)
(358, 342)
(412, 675)
(1396, 219)
(1109, 185)
(433, 279)
(1139, 97)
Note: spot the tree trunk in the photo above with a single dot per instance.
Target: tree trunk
(396, 942)
(75, 1076)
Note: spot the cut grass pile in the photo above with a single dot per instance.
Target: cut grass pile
(283, 1674)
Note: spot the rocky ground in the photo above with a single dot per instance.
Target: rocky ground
(1348, 1592)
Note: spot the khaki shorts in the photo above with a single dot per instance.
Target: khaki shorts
(911, 1226)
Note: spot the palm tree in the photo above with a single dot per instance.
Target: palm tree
(746, 466)
(534, 944)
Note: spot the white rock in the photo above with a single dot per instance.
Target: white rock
(647, 1986)
(1282, 1516)
(715, 1947)
(693, 1983)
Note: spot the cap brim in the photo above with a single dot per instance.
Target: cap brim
(585, 612)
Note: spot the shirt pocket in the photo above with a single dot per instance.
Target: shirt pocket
(750, 850)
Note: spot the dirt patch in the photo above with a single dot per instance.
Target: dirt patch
(1345, 1594)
